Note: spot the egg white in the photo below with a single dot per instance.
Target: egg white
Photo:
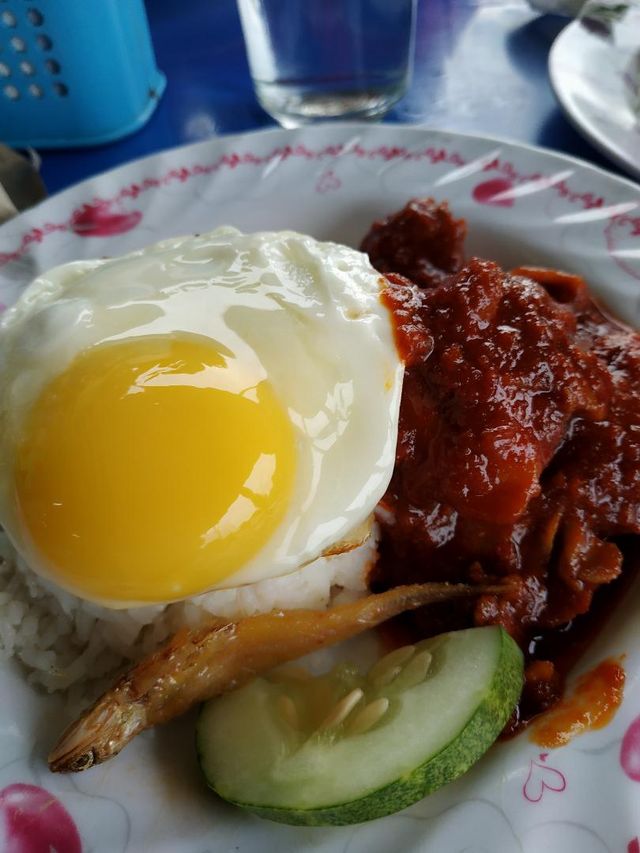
(305, 315)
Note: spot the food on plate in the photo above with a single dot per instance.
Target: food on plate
(205, 413)
(349, 747)
(196, 665)
(519, 442)
(194, 439)
(273, 466)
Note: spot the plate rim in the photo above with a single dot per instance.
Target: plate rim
(361, 127)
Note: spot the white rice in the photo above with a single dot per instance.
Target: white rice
(67, 644)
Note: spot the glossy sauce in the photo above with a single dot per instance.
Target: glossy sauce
(592, 704)
(518, 455)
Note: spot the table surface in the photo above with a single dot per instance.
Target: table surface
(480, 67)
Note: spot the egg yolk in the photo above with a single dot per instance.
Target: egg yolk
(152, 469)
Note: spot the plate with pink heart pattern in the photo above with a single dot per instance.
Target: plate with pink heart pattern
(524, 206)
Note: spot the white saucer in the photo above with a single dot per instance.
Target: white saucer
(594, 65)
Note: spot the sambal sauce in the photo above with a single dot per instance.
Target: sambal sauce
(518, 452)
(593, 703)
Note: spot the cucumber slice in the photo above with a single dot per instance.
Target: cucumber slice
(349, 747)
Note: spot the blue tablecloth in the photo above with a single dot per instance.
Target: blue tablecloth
(480, 67)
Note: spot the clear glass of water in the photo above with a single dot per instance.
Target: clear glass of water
(316, 60)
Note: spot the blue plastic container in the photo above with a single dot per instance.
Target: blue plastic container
(75, 72)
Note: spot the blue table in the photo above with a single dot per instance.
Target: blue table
(480, 67)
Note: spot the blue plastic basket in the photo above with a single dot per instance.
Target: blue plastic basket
(75, 72)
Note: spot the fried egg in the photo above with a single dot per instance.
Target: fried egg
(204, 413)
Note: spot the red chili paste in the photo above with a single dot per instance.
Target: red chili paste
(519, 445)
(592, 705)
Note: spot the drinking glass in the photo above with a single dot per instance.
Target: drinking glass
(315, 60)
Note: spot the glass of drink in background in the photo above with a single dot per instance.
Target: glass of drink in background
(314, 60)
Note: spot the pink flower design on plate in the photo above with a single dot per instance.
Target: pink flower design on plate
(34, 821)
(542, 778)
(99, 219)
(620, 233)
(630, 751)
(489, 192)
(633, 846)
(328, 181)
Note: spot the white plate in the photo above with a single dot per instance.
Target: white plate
(594, 65)
(523, 205)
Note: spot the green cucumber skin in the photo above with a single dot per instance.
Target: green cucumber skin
(455, 759)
